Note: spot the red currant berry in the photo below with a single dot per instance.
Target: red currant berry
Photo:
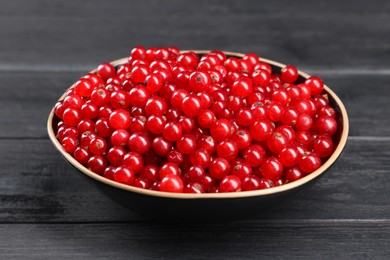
(241, 170)
(138, 96)
(221, 129)
(83, 87)
(230, 183)
(73, 101)
(106, 71)
(324, 125)
(115, 155)
(169, 169)
(289, 74)
(315, 84)
(294, 174)
(172, 131)
(242, 138)
(119, 119)
(69, 144)
(199, 81)
(120, 137)
(82, 155)
(134, 161)
(277, 142)
(97, 164)
(194, 188)
(261, 130)
(254, 155)
(161, 146)
(124, 174)
(97, 146)
(175, 156)
(251, 183)
(103, 127)
(156, 106)
(71, 116)
(310, 162)
(186, 144)
(227, 149)
(242, 87)
(139, 143)
(219, 168)
(155, 124)
(191, 105)
(323, 146)
(172, 183)
(275, 111)
(272, 168)
(289, 156)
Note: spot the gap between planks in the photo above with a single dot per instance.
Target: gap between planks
(250, 221)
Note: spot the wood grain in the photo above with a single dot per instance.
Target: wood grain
(43, 187)
(63, 35)
(262, 240)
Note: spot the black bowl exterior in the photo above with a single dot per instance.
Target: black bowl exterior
(197, 209)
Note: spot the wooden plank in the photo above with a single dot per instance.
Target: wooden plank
(217, 241)
(37, 185)
(62, 35)
(28, 97)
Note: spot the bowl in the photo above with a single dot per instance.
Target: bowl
(210, 206)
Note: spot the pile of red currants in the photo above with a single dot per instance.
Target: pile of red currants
(182, 122)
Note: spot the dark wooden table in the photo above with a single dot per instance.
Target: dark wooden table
(48, 211)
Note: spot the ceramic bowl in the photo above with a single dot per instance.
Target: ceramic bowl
(217, 206)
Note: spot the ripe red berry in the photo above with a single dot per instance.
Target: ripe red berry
(115, 155)
(83, 87)
(230, 183)
(172, 131)
(325, 125)
(323, 146)
(72, 116)
(186, 144)
(191, 105)
(97, 146)
(119, 119)
(124, 174)
(139, 143)
(82, 155)
(172, 183)
(219, 168)
(242, 87)
(199, 81)
(134, 161)
(261, 130)
(309, 163)
(227, 149)
(289, 156)
(254, 155)
(106, 71)
(277, 142)
(289, 74)
(272, 168)
(221, 129)
(315, 84)
(294, 174)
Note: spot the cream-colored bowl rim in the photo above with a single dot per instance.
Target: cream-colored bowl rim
(242, 194)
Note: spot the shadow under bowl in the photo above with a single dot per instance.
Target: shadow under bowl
(211, 206)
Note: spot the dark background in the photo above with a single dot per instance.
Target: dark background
(46, 210)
